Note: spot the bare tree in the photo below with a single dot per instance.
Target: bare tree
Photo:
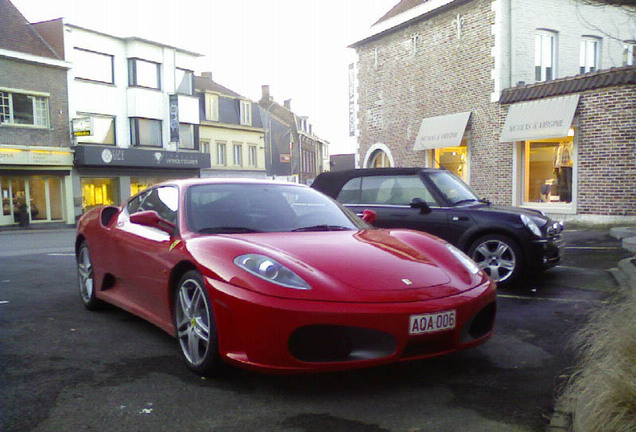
(629, 4)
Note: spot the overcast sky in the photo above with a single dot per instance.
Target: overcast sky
(297, 47)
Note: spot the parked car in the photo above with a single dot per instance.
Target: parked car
(504, 241)
(278, 277)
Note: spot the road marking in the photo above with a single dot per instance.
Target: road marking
(4, 302)
(561, 300)
(594, 247)
(61, 254)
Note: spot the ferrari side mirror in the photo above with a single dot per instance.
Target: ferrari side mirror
(152, 219)
(369, 216)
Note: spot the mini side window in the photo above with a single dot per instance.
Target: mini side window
(394, 190)
(350, 192)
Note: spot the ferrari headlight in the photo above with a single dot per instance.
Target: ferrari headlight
(270, 270)
(531, 225)
(464, 259)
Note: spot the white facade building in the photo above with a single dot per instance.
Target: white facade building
(134, 115)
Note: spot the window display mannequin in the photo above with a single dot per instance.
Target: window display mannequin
(563, 169)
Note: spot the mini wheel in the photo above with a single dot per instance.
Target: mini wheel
(497, 255)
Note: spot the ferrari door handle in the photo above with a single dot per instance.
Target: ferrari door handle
(459, 218)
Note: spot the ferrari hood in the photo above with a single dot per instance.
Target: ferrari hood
(372, 260)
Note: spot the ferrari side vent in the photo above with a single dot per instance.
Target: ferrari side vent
(329, 343)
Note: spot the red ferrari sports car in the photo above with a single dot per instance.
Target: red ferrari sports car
(277, 277)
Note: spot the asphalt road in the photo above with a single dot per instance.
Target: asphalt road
(63, 368)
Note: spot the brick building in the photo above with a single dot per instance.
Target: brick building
(35, 155)
(443, 83)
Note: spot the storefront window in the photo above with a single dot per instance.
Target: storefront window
(454, 159)
(98, 191)
(137, 184)
(548, 170)
(29, 199)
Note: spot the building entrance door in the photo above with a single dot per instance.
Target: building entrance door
(14, 200)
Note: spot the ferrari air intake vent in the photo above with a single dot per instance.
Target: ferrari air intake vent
(328, 343)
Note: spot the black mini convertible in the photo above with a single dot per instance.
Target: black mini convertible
(504, 241)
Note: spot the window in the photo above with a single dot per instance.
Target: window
(238, 154)
(415, 42)
(142, 73)
(252, 156)
(545, 55)
(454, 159)
(246, 113)
(164, 200)
(211, 107)
(103, 130)
(389, 190)
(98, 191)
(629, 53)
(549, 167)
(137, 184)
(145, 132)
(379, 159)
(24, 109)
(204, 146)
(184, 81)
(186, 136)
(93, 66)
(221, 155)
(588, 59)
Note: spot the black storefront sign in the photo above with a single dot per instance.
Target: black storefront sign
(104, 156)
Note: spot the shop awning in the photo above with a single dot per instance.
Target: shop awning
(441, 131)
(540, 119)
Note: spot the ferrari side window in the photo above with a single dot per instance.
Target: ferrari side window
(163, 200)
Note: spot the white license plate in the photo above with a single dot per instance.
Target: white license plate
(432, 323)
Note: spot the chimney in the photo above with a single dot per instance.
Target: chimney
(265, 97)
(207, 75)
(287, 104)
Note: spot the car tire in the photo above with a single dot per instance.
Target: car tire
(195, 324)
(86, 278)
(499, 256)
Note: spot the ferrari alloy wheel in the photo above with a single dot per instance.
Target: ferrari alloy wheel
(498, 256)
(194, 321)
(86, 278)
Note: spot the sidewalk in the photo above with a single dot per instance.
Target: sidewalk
(625, 275)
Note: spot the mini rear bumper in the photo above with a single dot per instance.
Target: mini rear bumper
(270, 334)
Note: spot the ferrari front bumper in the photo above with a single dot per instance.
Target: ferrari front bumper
(272, 334)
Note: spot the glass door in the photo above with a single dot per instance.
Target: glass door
(6, 217)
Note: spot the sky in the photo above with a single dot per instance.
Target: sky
(297, 47)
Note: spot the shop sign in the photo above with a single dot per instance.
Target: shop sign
(82, 126)
(174, 117)
(441, 131)
(15, 156)
(540, 119)
(127, 157)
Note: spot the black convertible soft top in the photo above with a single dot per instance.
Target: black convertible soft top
(331, 182)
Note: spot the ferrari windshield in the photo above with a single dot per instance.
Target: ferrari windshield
(232, 208)
(453, 188)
